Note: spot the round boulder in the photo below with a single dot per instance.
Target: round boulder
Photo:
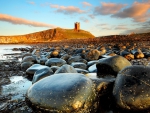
(63, 93)
(31, 70)
(111, 65)
(132, 89)
(55, 62)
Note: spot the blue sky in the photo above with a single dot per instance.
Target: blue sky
(100, 17)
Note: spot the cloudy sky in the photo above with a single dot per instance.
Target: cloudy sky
(100, 17)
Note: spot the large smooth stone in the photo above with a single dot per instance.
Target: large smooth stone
(132, 88)
(79, 65)
(63, 93)
(55, 62)
(31, 70)
(111, 66)
(66, 69)
(42, 73)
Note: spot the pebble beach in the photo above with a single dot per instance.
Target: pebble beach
(116, 75)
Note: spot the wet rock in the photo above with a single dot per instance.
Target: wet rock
(26, 65)
(66, 92)
(31, 70)
(42, 73)
(79, 65)
(131, 89)
(111, 66)
(72, 85)
(28, 59)
(66, 69)
(55, 62)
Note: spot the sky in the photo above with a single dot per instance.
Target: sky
(99, 17)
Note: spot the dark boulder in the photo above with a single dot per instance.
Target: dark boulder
(111, 66)
(55, 62)
(132, 90)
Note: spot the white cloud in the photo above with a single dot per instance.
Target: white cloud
(16, 20)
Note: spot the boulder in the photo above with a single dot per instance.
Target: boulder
(132, 90)
(111, 66)
(31, 70)
(55, 62)
(67, 93)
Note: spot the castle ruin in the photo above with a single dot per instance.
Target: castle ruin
(77, 26)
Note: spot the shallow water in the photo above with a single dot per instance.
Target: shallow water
(7, 49)
(17, 88)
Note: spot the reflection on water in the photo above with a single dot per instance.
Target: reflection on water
(7, 49)
(17, 88)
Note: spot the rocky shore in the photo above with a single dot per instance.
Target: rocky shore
(80, 77)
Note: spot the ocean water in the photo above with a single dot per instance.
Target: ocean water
(7, 49)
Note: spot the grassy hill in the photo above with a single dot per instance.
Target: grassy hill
(47, 36)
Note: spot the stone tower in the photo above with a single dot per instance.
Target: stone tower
(77, 26)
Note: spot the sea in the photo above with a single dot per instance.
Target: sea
(6, 49)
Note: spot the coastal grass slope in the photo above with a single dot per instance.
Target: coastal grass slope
(47, 36)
